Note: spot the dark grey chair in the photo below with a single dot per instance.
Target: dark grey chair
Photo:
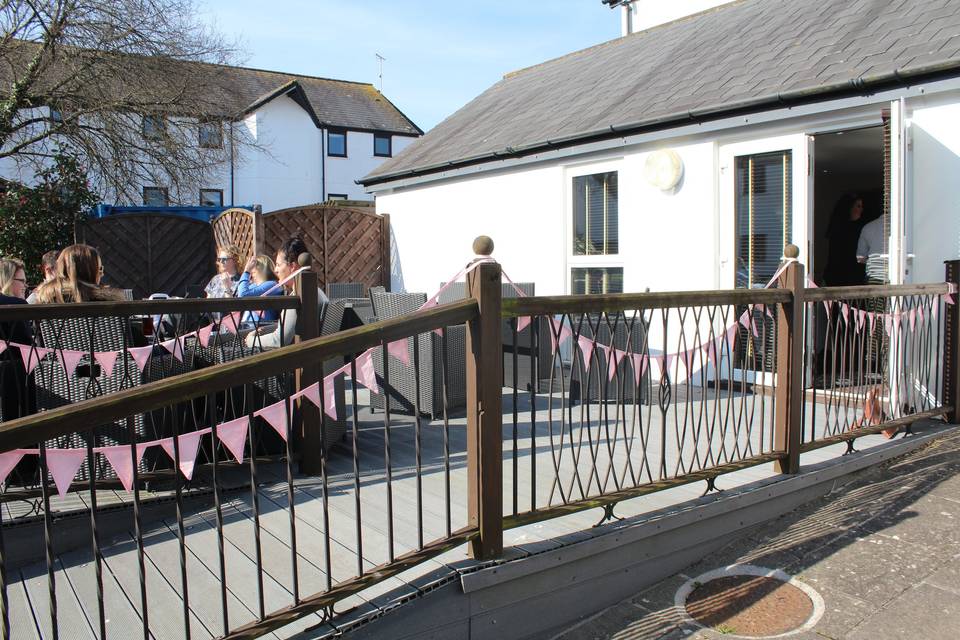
(402, 383)
(626, 335)
(344, 290)
(525, 339)
(56, 389)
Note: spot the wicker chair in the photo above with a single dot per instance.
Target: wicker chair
(402, 389)
(344, 290)
(598, 379)
(55, 388)
(458, 290)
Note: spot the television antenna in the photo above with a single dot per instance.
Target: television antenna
(380, 61)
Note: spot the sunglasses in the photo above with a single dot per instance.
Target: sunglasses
(223, 260)
(23, 280)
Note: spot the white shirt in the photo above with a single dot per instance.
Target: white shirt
(871, 239)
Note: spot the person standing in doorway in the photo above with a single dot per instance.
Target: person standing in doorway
(843, 268)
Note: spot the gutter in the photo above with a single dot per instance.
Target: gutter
(855, 87)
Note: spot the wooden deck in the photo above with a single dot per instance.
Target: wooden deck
(75, 575)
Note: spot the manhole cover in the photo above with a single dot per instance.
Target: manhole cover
(750, 602)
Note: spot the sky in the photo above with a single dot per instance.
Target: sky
(439, 55)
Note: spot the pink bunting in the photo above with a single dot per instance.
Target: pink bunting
(860, 315)
(3, 346)
(746, 319)
(63, 465)
(614, 361)
(233, 435)
(687, 358)
(203, 335)
(140, 356)
(121, 461)
(312, 393)
(175, 347)
(275, 415)
(912, 317)
(872, 319)
(70, 360)
(920, 314)
(366, 374)
(560, 333)
(9, 460)
(189, 444)
(586, 347)
(230, 322)
(951, 290)
(31, 355)
(826, 306)
(107, 360)
(639, 366)
(523, 322)
(400, 350)
(329, 397)
(845, 312)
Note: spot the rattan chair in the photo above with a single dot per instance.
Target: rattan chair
(56, 389)
(626, 336)
(402, 382)
(344, 290)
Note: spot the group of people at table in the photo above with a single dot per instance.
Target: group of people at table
(75, 275)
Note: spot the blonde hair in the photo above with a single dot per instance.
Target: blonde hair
(265, 266)
(78, 275)
(8, 271)
(234, 252)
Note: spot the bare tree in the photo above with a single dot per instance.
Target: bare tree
(136, 88)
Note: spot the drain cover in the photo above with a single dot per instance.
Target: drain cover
(748, 601)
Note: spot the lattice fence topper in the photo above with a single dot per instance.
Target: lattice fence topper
(236, 227)
(64, 463)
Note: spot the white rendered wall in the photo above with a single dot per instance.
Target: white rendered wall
(643, 14)
(933, 189)
(288, 171)
(342, 173)
(528, 215)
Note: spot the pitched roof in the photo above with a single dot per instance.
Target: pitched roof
(740, 57)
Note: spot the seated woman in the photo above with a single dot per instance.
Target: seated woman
(256, 280)
(79, 270)
(16, 391)
(224, 284)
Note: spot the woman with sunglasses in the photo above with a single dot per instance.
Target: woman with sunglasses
(224, 284)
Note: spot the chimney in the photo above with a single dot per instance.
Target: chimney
(639, 15)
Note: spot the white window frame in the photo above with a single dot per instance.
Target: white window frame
(596, 261)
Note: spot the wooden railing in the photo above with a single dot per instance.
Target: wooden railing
(610, 397)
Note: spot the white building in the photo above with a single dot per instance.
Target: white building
(685, 155)
(274, 139)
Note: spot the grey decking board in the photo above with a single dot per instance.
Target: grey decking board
(21, 614)
(70, 613)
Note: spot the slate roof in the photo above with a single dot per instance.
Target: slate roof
(745, 56)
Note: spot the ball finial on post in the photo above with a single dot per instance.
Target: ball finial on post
(791, 251)
(483, 245)
(305, 259)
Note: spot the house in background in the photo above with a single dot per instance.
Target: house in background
(686, 155)
(274, 139)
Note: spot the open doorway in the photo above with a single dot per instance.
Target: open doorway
(846, 162)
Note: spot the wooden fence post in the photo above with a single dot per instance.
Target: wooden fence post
(309, 438)
(788, 415)
(484, 411)
(951, 345)
(385, 268)
(258, 235)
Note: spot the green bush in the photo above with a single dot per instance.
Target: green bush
(34, 220)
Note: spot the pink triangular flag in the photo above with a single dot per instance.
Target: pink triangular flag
(3, 346)
(657, 368)
(861, 318)
(63, 465)
(175, 347)
(70, 360)
(140, 356)
(920, 314)
(230, 321)
(203, 335)
(233, 435)
(366, 374)
(614, 356)
(312, 393)
(639, 366)
(912, 316)
(888, 324)
(400, 350)
(189, 444)
(746, 319)
(845, 311)
(560, 333)
(9, 460)
(826, 306)
(523, 322)
(687, 358)
(276, 417)
(871, 320)
(121, 461)
(107, 360)
(329, 397)
(31, 356)
(586, 347)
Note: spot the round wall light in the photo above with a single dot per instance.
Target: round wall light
(663, 169)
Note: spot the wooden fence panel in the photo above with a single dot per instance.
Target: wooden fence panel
(151, 252)
(236, 226)
(347, 243)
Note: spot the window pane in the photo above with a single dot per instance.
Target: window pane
(153, 126)
(211, 136)
(155, 196)
(593, 280)
(336, 144)
(211, 198)
(763, 215)
(595, 214)
(381, 145)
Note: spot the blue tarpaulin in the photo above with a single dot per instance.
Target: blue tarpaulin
(206, 214)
